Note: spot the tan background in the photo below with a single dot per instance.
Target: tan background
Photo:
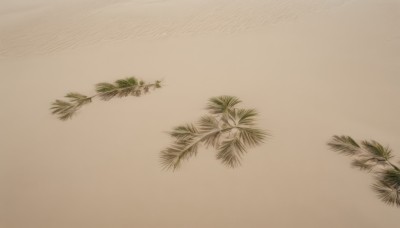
(311, 68)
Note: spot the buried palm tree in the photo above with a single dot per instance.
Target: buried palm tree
(228, 129)
(375, 158)
(105, 91)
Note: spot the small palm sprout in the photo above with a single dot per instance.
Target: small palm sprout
(105, 91)
(228, 129)
(376, 159)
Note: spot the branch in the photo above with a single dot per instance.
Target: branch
(121, 88)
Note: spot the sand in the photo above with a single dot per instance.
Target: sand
(311, 68)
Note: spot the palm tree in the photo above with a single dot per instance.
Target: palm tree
(228, 129)
(376, 159)
(105, 91)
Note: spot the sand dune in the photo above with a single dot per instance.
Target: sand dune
(311, 68)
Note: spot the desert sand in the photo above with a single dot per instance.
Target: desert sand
(312, 68)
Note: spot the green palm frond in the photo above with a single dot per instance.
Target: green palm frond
(211, 131)
(371, 156)
(184, 132)
(363, 164)
(78, 98)
(252, 136)
(208, 123)
(391, 177)
(246, 116)
(227, 129)
(212, 138)
(344, 144)
(127, 87)
(172, 156)
(121, 88)
(63, 109)
(231, 151)
(66, 109)
(106, 91)
(388, 194)
(128, 82)
(221, 104)
(377, 149)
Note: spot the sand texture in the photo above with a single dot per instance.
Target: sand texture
(312, 69)
(46, 27)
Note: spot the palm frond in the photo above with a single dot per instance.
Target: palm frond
(246, 116)
(344, 145)
(230, 152)
(127, 87)
(212, 138)
(221, 104)
(252, 136)
(184, 132)
(63, 109)
(387, 193)
(391, 177)
(372, 156)
(128, 82)
(78, 98)
(172, 156)
(210, 129)
(377, 150)
(106, 91)
(226, 128)
(363, 164)
(66, 109)
(208, 123)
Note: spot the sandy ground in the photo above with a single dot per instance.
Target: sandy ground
(312, 68)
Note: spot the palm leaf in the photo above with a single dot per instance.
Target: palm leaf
(344, 145)
(63, 109)
(78, 99)
(246, 116)
(372, 156)
(121, 88)
(184, 132)
(210, 129)
(221, 104)
(208, 123)
(362, 164)
(230, 152)
(106, 91)
(377, 150)
(226, 128)
(127, 87)
(251, 136)
(128, 82)
(391, 177)
(212, 138)
(388, 194)
(172, 156)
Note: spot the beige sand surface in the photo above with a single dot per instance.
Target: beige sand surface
(312, 68)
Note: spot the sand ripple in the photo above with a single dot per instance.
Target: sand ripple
(48, 27)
